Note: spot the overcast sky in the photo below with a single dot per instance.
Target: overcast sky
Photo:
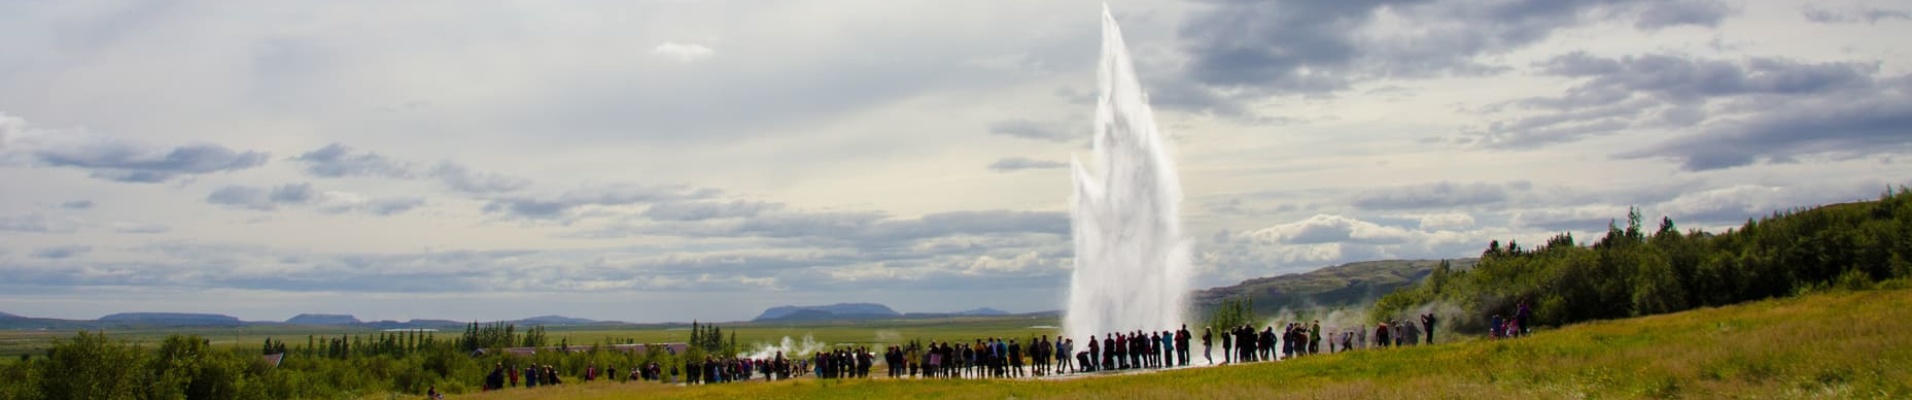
(678, 160)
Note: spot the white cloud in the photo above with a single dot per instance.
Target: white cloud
(1447, 222)
(682, 52)
(1323, 228)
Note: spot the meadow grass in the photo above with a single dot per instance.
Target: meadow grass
(14, 343)
(1835, 345)
(870, 333)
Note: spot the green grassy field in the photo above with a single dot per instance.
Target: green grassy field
(871, 333)
(16, 342)
(35, 342)
(1840, 345)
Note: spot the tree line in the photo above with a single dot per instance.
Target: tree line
(1630, 271)
(91, 365)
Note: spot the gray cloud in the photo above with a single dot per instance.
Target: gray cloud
(77, 204)
(858, 228)
(1013, 164)
(142, 228)
(1869, 15)
(34, 223)
(380, 207)
(113, 158)
(303, 194)
(608, 195)
(1568, 219)
(1320, 46)
(262, 199)
(338, 160)
(1028, 129)
(1707, 13)
(703, 210)
(461, 178)
(1667, 91)
(125, 162)
(1437, 195)
(61, 252)
(1837, 126)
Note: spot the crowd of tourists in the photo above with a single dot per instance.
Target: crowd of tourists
(710, 370)
(843, 363)
(998, 357)
(503, 376)
(981, 358)
(1511, 327)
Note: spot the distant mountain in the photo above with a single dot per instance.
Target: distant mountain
(556, 320)
(172, 319)
(982, 311)
(4, 315)
(827, 312)
(323, 319)
(1352, 284)
(439, 324)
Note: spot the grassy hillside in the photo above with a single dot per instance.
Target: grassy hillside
(1353, 284)
(1841, 345)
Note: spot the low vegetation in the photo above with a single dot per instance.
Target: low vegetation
(1634, 272)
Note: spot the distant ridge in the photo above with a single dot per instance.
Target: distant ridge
(557, 320)
(323, 319)
(172, 319)
(414, 324)
(982, 311)
(827, 312)
(1351, 284)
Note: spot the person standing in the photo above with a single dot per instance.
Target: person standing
(1265, 343)
(1314, 337)
(1108, 351)
(1427, 322)
(1181, 345)
(1095, 354)
(1168, 349)
(1150, 348)
(1069, 361)
(1228, 346)
(1523, 317)
(1208, 339)
(495, 380)
(1245, 343)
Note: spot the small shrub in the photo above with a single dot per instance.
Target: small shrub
(1854, 280)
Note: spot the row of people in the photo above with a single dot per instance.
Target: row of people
(1137, 349)
(1000, 358)
(533, 375)
(843, 363)
(991, 357)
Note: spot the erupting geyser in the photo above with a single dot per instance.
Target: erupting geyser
(1131, 262)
